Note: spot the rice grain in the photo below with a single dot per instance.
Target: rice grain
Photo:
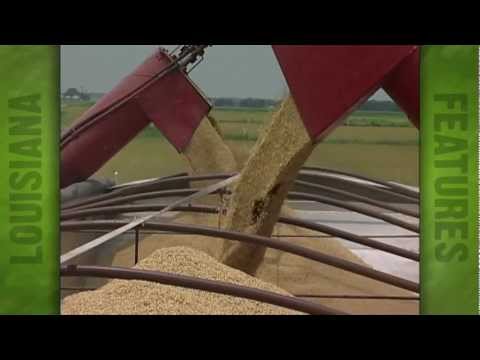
(121, 297)
(264, 184)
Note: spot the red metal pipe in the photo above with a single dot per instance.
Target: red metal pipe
(157, 92)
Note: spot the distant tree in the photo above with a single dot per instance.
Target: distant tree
(84, 97)
(224, 102)
(72, 93)
(254, 103)
(374, 105)
(245, 103)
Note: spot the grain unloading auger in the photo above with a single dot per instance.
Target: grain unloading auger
(158, 91)
(326, 82)
(329, 82)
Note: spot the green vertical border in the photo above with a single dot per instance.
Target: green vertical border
(29, 163)
(449, 177)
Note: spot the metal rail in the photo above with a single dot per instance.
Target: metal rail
(305, 296)
(356, 208)
(138, 197)
(379, 204)
(115, 210)
(360, 297)
(393, 187)
(374, 244)
(277, 244)
(296, 195)
(88, 207)
(156, 185)
(134, 224)
(288, 302)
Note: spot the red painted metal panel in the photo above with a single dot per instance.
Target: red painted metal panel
(180, 112)
(172, 102)
(151, 67)
(403, 85)
(329, 82)
(87, 153)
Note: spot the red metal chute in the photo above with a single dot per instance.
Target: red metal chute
(403, 85)
(329, 82)
(150, 94)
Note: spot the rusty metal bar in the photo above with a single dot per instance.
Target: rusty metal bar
(413, 195)
(121, 209)
(309, 296)
(137, 222)
(138, 197)
(356, 208)
(143, 188)
(156, 185)
(77, 289)
(296, 195)
(359, 297)
(371, 187)
(285, 220)
(137, 241)
(374, 244)
(379, 204)
(118, 187)
(279, 236)
(277, 244)
(188, 282)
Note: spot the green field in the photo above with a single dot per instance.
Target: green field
(72, 111)
(378, 119)
(342, 135)
(387, 162)
(378, 144)
(250, 119)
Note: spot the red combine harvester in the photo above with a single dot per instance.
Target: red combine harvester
(327, 84)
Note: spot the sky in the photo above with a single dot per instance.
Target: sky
(228, 70)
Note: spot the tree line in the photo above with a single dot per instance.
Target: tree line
(371, 105)
(246, 103)
(229, 102)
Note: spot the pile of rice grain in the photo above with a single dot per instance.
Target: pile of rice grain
(292, 273)
(121, 297)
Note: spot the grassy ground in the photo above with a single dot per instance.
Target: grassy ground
(387, 162)
(378, 119)
(71, 112)
(379, 144)
(237, 122)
